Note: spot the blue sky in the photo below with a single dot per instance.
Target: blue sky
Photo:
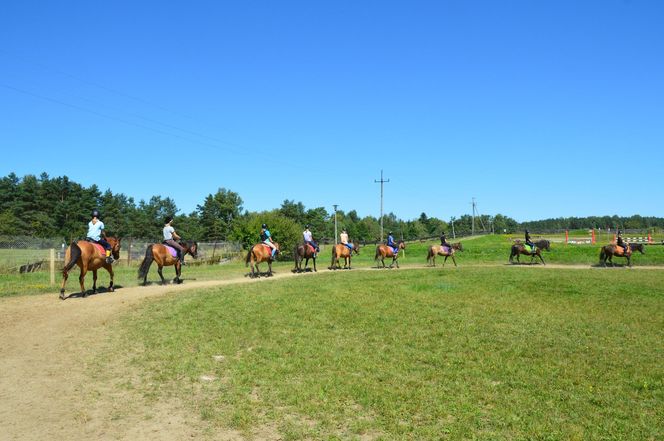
(536, 109)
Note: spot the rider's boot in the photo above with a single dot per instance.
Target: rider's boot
(109, 259)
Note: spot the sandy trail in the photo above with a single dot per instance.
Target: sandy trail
(44, 379)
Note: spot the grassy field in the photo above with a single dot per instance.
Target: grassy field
(487, 250)
(473, 353)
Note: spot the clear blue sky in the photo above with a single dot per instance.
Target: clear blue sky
(535, 108)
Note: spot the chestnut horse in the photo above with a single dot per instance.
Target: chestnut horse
(260, 253)
(304, 251)
(440, 251)
(340, 250)
(163, 257)
(519, 248)
(610, 251)
(383, 251)
(88, 258)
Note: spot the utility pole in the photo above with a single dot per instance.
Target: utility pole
(335, 223)
(382, 181)
(452, 222)
(473, 224)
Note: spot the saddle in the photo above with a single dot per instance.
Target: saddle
(100, 249)
(268, 248)
(445, 250)
(311, 248)
(624, 251)
(173, 251)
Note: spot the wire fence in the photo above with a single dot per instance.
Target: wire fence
(30, 254)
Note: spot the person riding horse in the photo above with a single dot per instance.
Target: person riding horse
(96, 234)
(343, 238)
(621, 243)
(391, 243)
(530, 242)
(266, 238)
(309, 240)
(170, 237)
(443, 241)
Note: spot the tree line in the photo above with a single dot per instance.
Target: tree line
(50, 207)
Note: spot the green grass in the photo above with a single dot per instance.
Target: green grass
(478, 251)
(476, 353)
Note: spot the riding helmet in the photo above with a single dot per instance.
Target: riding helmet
(168, 219)
(306, 226)
(95, 213)
(264, 226)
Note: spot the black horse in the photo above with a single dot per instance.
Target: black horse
(519, 248)
(306, 252)
(609, 251)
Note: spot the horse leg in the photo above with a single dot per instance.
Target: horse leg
(541, 258)
(65, 276)
(109, 268)
(177, 273)
(315, 270)
(269, 268)
(396, 261)
(445, 260)
(454, 260)
(94, 281)
(161, 274)
(81, 280)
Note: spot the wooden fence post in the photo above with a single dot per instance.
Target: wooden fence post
(52, 258)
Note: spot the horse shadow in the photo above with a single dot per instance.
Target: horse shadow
(90, 293)
(260, 274)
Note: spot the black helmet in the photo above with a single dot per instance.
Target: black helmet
(168, 219)
(95, 213)
(389, 233)
(306, 226)
(442, 233)
(264, 226)
(527, 231)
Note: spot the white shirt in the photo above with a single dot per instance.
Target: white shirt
(307, 236)
(94, 230)
(168, 232)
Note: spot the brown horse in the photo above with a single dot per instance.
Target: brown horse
(342, 251)
(305, 252)
(383, 251)
(163, 257)
(260, 253)
(440, 251)
(610, 251)
(88, 258)
(519, 248)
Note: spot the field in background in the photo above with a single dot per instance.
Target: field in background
(477, 352)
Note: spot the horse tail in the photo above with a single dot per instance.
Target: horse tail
(377, 252)
(248, 258)
(145, 264)
(74, 255)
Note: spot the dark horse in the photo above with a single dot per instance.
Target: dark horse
(342, 251)
(609, 251)
(519, 248)
(163, 257)
(305, 252)
(88, 258)
(383, 251)
(440, 251)
(260, 253)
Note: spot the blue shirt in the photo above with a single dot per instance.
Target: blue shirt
(94, 230)
(390, 241)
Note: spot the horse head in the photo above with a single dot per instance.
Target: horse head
(457, 246)
(401, 245)
(356, 248)
(192, 247)
(637, 247)
(115, 246)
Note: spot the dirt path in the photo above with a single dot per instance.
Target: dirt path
(44, 378)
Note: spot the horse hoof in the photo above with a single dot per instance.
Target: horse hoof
(85, 294)
(62, 294)
(111, 289)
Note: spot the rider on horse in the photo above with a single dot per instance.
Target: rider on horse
(266, 238)
(621, 243)
(443, 241)
(170, 235)
(391, 243)
(309, 240)
(97, 234)
(343, 237)
(530, 242)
